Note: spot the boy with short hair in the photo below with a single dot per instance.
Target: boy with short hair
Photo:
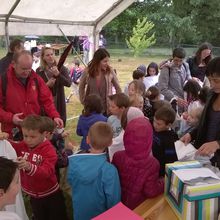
(164, 137)
(117, 104)
(94, 182)
(36, 161)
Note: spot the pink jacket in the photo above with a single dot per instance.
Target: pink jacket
(138, 169)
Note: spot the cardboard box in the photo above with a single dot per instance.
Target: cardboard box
(199, 202)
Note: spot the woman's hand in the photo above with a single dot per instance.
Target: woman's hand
(208, 148)
(50, 83)
(186, 138)
(54, 71)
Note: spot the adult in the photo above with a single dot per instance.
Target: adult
(198, 63)
(98, 78)
(207, 134)
(26, 93)
(55, 79)
(172, 77)
(16, 46)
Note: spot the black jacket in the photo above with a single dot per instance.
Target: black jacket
(199, 134)
(163, 148)
(5, 62)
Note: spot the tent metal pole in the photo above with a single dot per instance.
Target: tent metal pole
(77, 54)
(6, 22)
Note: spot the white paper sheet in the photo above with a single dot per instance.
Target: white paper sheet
(184, 151)
(193, 173)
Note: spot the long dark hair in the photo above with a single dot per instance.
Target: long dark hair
(152, 65)
(93, 65)
(203, 46)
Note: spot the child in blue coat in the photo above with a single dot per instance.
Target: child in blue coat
(92, 113)
(94, 181)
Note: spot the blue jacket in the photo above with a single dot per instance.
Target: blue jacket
(95, 185)
(84, 124)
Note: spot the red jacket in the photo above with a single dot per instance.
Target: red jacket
(25, 99)
(138, 169)
(41, 180)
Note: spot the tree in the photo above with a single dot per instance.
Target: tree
(139, 40)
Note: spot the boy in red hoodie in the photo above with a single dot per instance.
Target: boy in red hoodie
(36, 161)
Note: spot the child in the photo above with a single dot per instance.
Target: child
(136, 87)
(137, 101)
(56, 138)
(191, 121)
(138, 169)
(117, 104)
(75, 74)
(191, 92)
(7, 151)
(137, 74)
(151, 77)
(9, 187)
(129, 114)
(36, 161)
(94, 182)
(153, 95)
(92, 113)
(164, 137)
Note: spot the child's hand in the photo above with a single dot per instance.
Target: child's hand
(3, 135)
(65, 134)
(23, 164)
(185, 115)
(69, 146)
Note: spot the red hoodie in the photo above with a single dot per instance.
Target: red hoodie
(138, 169)
(25, 99)
(41, 180)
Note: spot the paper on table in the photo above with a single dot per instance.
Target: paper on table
(189, 174)
(184, 151)
(118, 211)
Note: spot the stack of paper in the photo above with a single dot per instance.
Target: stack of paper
(185, 152)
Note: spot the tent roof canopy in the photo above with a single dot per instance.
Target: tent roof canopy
(42, 17)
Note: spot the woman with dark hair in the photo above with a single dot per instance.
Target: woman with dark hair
(98, 78)
(55, 79)
(206, 136)
(198, 63)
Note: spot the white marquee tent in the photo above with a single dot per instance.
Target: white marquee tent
(57, 17)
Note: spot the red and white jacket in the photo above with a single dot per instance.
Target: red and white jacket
(41, 180)
(27, 99)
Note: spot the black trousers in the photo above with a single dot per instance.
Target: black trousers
(51, 207)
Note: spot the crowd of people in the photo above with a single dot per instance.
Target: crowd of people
(127, 137)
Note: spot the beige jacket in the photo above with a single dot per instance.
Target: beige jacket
(111, 81)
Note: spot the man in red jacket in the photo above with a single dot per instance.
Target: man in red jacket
(26, 94)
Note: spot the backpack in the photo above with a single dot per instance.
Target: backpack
(184, 65)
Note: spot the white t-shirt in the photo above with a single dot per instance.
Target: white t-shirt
(150, 81)
(117, 145)
(4, 215)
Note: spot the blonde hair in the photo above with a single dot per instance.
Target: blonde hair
(136, 100)
(100, 135)
(43, 63)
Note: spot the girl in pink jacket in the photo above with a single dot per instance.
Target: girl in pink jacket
(138, 169)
